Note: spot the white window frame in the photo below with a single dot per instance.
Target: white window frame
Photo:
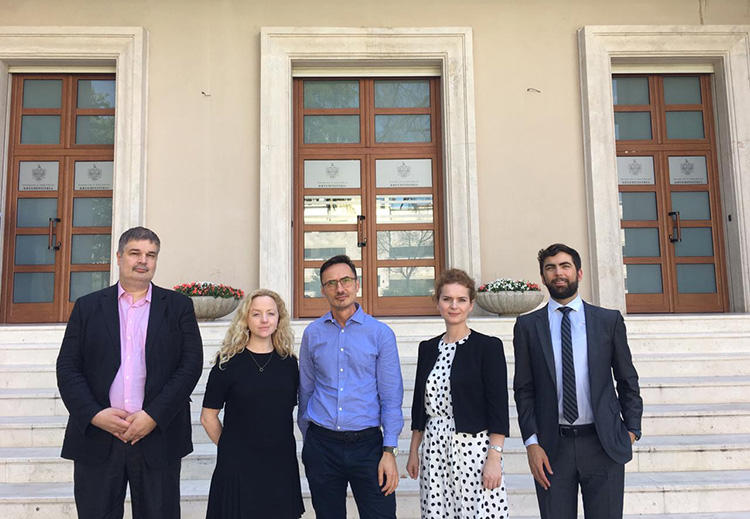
(727, 49)
(125, 48)
(285, 48)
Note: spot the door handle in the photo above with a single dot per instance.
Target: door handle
(361, 234)
(676, 229)
(52, 225)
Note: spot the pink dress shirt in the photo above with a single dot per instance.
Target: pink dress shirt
(126, 391)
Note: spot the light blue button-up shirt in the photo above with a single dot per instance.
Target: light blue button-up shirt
(580, 360)
(580, 357)
(350, 377)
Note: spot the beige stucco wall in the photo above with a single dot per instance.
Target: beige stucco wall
(203, 110)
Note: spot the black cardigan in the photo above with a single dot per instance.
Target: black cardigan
(479, 385)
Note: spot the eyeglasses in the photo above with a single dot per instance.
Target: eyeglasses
(346, 282)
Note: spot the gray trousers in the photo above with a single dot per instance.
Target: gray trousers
(581, 461)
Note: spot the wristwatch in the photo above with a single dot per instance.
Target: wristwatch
(392, 450)
(497, 448)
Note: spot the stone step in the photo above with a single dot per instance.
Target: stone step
(651, 454)
(657, 390)
(695, 333)
(647, 494)
(658, 420)
(649, 365)
(716, 341)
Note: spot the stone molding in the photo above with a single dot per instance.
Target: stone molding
(727, 48)
(126, 49)
(284, 47)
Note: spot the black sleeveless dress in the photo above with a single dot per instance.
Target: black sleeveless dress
(256, 474)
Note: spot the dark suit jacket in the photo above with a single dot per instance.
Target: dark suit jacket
(89, 359)
(615, 413)
(479, 385)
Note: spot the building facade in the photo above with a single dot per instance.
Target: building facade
(259, 138)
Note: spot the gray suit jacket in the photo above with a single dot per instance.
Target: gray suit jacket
(534, 385)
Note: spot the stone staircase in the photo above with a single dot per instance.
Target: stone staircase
(693, 461)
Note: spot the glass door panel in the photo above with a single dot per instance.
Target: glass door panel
(36, 212)
(641, 242)
(82, 283)
(630, 91)
(633, 126)
(89, 249)
(402, 128)
(40, 129)
(685, 125)
(33, 287)
(696, 278)
(402, 93)
(42, 93)
(323, 245)
(682, 90)
(692, 205)
(96, 93)
(406, 281)
(638, 206)
(404, 209)
(406, 245)
(34, 250)
(644, 279)
(695, 241)
(341, 209)
(92, 212)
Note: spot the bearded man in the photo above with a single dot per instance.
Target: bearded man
(577, 430)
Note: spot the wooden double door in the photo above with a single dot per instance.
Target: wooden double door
(673, 245)
(368, 184)
(57, 232)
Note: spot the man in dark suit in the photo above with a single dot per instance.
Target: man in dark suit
(576, 428)
(130, 358)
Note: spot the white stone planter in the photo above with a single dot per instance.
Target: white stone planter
(208, 308)
(509, 304)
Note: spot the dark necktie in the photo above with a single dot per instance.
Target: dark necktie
(570, 403)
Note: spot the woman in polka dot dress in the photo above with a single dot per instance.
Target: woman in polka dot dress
(459, 413)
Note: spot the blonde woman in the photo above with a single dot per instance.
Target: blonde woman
(255, 379)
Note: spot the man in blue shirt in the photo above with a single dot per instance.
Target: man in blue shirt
(350, 387)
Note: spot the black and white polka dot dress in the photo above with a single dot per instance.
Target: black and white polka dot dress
(451, 463)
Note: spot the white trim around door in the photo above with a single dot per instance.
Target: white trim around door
(284, 48)
(125, 48)
(727, 49)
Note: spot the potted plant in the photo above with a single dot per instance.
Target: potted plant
(211, 300)
(509, 297)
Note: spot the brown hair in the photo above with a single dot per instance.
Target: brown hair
(457, 276)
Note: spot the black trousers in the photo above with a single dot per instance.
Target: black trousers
(581, 461)
(100, 489)
(334, 459)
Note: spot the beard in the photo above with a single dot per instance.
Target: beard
(563, 292)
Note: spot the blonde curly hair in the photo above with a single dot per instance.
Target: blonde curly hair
(238, 334)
